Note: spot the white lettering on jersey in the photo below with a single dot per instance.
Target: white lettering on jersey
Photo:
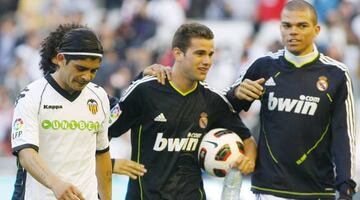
(305, 105)
(177, 144)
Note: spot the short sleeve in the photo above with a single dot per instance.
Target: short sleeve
(102, 141)
(25, 125)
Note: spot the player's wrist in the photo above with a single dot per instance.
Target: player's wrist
(346, 190)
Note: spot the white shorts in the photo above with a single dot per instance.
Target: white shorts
(269, 197)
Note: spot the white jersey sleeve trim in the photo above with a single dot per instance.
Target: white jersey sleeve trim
(135, 84)
(349, 104)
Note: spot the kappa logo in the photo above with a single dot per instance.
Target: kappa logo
(160, 118)
(270, 82)
(55, 107)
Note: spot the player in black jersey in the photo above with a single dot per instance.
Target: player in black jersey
(307, 115)
(168, 121)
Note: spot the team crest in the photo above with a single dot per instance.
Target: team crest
(322, 84)
(203, 121)
(93, 106)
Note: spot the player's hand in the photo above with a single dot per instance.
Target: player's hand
(161, 72)
(66, 191)
(250, 90)
(244, 164)
(129, 168)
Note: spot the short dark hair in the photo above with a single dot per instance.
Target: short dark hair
(185, 32)
(68, 38)
(302, 5)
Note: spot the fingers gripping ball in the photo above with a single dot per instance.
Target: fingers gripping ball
(218, 149)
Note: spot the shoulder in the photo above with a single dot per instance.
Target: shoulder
(32, 92)
(215, 95)
(98, 90)
(330, 62)
(139, 84)
(269, 57)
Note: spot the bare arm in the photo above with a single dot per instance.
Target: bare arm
(103, 173)
(33, 163)
(129, 168)
(246, 163)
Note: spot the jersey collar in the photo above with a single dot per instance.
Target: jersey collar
(300, 61)
(183, 93)
(62, 92)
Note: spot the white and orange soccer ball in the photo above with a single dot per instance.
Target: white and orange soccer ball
(218, 149)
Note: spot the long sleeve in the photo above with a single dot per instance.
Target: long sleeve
(343, 135)
(126, 112)
(251, 73)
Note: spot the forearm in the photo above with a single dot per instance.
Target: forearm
(104, 174)
(32, 162)
(250, 148)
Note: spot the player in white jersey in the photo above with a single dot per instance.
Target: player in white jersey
(61, 120)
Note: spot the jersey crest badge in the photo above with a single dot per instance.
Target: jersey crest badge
(93, 106)
(322, 84)
(203, 121)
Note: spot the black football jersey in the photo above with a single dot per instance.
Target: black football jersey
(307, 124)
(166, 129)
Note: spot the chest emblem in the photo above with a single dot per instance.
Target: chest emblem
(203, 121)
(322, 84)
(93, 106)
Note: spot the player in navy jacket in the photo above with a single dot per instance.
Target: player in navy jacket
(307, 115)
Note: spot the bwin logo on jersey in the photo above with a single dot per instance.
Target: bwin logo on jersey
(177, 144)
(305, 105)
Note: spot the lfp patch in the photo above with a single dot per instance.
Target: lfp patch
(18, 124)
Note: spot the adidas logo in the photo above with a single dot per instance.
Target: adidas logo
(270, 82)
(160, 118)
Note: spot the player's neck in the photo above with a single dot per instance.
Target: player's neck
(181, 81)
(56, 76)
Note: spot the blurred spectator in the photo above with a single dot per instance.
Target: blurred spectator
(8, 6)
(197, 8)
(8, 39)
(6, 112)
(269, 10)
(324, 7)
(16, 79)
(168, 15)
(29, 55)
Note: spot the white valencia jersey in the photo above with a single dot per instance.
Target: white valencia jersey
(66, 130)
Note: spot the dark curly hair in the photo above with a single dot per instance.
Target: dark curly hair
(49, 46)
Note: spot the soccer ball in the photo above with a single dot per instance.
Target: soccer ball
(218, 149)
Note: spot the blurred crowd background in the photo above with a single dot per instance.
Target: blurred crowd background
(137, 33)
